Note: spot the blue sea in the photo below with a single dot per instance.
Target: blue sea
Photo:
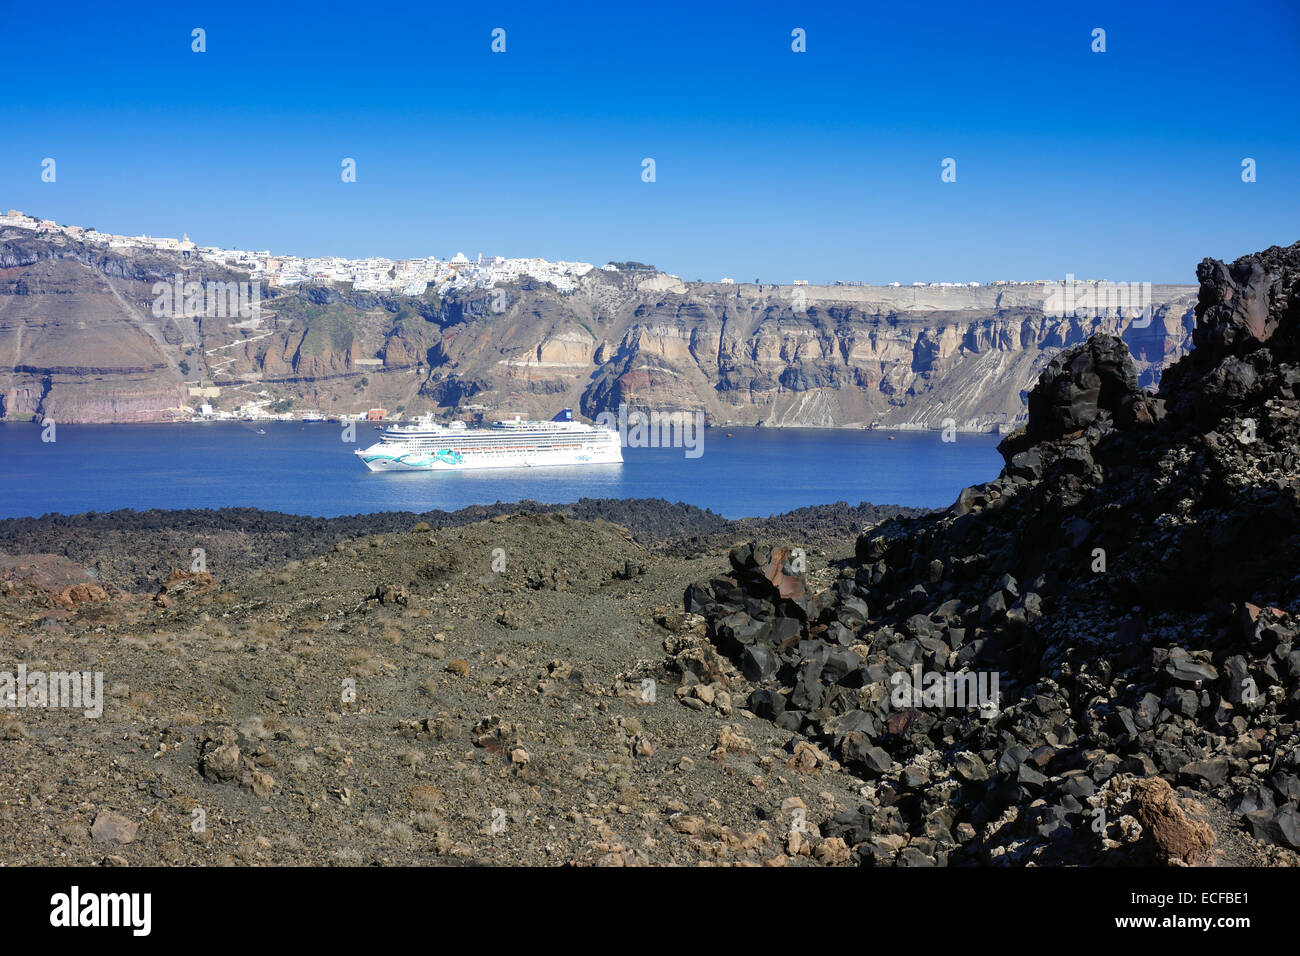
(309, 470)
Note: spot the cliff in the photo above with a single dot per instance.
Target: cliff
(79, 341)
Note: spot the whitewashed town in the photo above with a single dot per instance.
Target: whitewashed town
(374, 274)
(400, 276)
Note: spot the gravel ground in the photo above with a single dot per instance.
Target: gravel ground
(524, 689)
(401, 699)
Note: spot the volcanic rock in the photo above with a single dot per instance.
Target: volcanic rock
(1114, 578)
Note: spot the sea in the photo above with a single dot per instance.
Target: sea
(308, 469)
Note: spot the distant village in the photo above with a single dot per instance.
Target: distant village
(260, 411)
(411, 277)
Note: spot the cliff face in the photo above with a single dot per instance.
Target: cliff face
(856, 356)
(79, 341)
(72, 350)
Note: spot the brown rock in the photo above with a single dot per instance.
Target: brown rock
(112, 827)
(730, 740)
(52, 581)
(788, 585)
(1171, 835)
(79, 594)
(262, 784)
(806, 758)
(832, 851)
(900, 721)
(221, 758)
(184, 583)
(685, 823)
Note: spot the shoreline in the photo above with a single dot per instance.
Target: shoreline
(135, 549)
(983, 429)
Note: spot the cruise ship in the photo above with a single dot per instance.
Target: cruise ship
(426, 445)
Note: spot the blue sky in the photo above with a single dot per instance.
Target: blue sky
(770, 164)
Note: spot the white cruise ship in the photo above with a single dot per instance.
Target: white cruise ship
(428, 446)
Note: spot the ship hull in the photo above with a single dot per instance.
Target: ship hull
(385, 457)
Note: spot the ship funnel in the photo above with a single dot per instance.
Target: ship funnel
(565, 416)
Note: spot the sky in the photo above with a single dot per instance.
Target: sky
(769, 164)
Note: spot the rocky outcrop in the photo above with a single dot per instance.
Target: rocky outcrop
(1081, 385)
(80, 341)
(1122, 602)
(51, 581)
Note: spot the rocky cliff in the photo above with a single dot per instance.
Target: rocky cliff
(1127, 586)
(80, 341)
